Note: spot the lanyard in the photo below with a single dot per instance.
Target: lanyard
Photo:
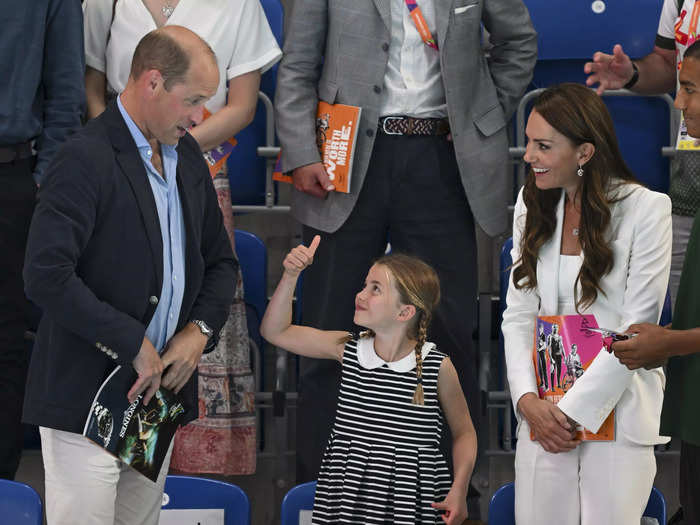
(421, 25)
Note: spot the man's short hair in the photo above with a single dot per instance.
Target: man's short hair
(158, 50)
(693, 51)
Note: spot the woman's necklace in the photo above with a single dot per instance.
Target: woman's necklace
(167, 9)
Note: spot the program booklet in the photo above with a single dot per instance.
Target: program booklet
(216, 157)
(336, 136)
(564, 348)
(137, 434)
(685, 141)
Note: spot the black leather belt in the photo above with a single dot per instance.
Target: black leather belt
(15, 152)
(398, 125)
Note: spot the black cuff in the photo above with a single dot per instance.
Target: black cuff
(634, 79)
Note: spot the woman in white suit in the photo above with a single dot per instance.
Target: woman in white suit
(587, 238)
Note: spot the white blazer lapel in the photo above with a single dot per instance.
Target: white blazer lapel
(548, 266)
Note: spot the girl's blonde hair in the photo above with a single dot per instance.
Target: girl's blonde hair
(417, 284)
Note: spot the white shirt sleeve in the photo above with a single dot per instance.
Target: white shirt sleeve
(97, 21)
(667, 20)
(254, 45)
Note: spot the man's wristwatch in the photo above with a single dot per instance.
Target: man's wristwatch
(204, 327)
(635, 77)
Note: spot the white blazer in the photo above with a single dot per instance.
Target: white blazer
(635, 289)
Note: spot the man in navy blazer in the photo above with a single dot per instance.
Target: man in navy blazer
(129, 260)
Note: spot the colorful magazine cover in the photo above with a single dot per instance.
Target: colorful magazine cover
(216, 157)
(685, 141)
(336, 134)
(564, 348)
(137, 434)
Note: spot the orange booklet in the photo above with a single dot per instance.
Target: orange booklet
(216, 157)
(564, 348)
(336, 136)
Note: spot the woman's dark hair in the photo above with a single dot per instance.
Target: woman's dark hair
(580, 115)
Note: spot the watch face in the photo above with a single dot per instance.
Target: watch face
(204, 328)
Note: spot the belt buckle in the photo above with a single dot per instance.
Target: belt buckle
(391, 132)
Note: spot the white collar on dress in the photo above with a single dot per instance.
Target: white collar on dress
(369, 359)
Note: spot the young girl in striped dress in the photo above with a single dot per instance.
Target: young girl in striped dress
(383, 463)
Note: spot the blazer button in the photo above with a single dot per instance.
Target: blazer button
(370, 133)
(377, 89)
(385, 47)
(153, 300)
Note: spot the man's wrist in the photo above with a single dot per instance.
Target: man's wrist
(204, 329)
(634, 79)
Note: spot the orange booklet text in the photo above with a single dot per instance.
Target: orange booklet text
(336, 135)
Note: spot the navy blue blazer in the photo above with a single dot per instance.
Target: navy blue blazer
(94, 265)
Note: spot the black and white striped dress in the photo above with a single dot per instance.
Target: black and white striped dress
(383, 463)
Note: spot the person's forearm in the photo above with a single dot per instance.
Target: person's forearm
(95, 86)
(239, 111)
(656, 75)
(683, 342)
(463, 458)
(278, 316)
(221, 126)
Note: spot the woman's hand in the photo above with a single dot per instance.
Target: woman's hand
(454, 507)
(550, 426)
(300, 257)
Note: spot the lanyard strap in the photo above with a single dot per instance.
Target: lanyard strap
(421, 25)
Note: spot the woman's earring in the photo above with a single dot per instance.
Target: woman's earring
(579, 171)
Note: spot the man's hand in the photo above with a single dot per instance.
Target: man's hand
(648, 349)
(609, 71)
(550, 426)
(312, 179)
(181, 356)
(149, 367)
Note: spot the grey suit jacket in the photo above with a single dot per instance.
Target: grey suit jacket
(337, 51)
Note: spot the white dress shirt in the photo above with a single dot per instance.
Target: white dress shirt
(413, 81)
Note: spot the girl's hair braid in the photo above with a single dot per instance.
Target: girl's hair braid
(418, 398)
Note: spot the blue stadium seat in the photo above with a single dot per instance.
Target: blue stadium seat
(567, 41)
(252, 255)
(187, 492)
(19, 504)
(502, 506)
(666, 312)
(297, 499)
(246, 170)
(656, 507)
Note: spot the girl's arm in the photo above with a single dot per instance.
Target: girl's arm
(463, 443)
(239, 111)
(95, 85)
(277, 325)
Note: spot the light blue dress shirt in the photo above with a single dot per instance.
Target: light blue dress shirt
(172, 229)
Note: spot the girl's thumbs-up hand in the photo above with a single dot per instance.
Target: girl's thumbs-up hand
(300, 257)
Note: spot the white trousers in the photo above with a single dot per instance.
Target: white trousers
(87, 485)
(604, 483)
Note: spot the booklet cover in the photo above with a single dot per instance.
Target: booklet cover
(137, 434)
(216, 157)
(336, 136)
(564, 348)
(685, 141)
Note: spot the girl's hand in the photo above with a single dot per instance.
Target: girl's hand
(454, 507)
(550, 426)
(300, 257)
